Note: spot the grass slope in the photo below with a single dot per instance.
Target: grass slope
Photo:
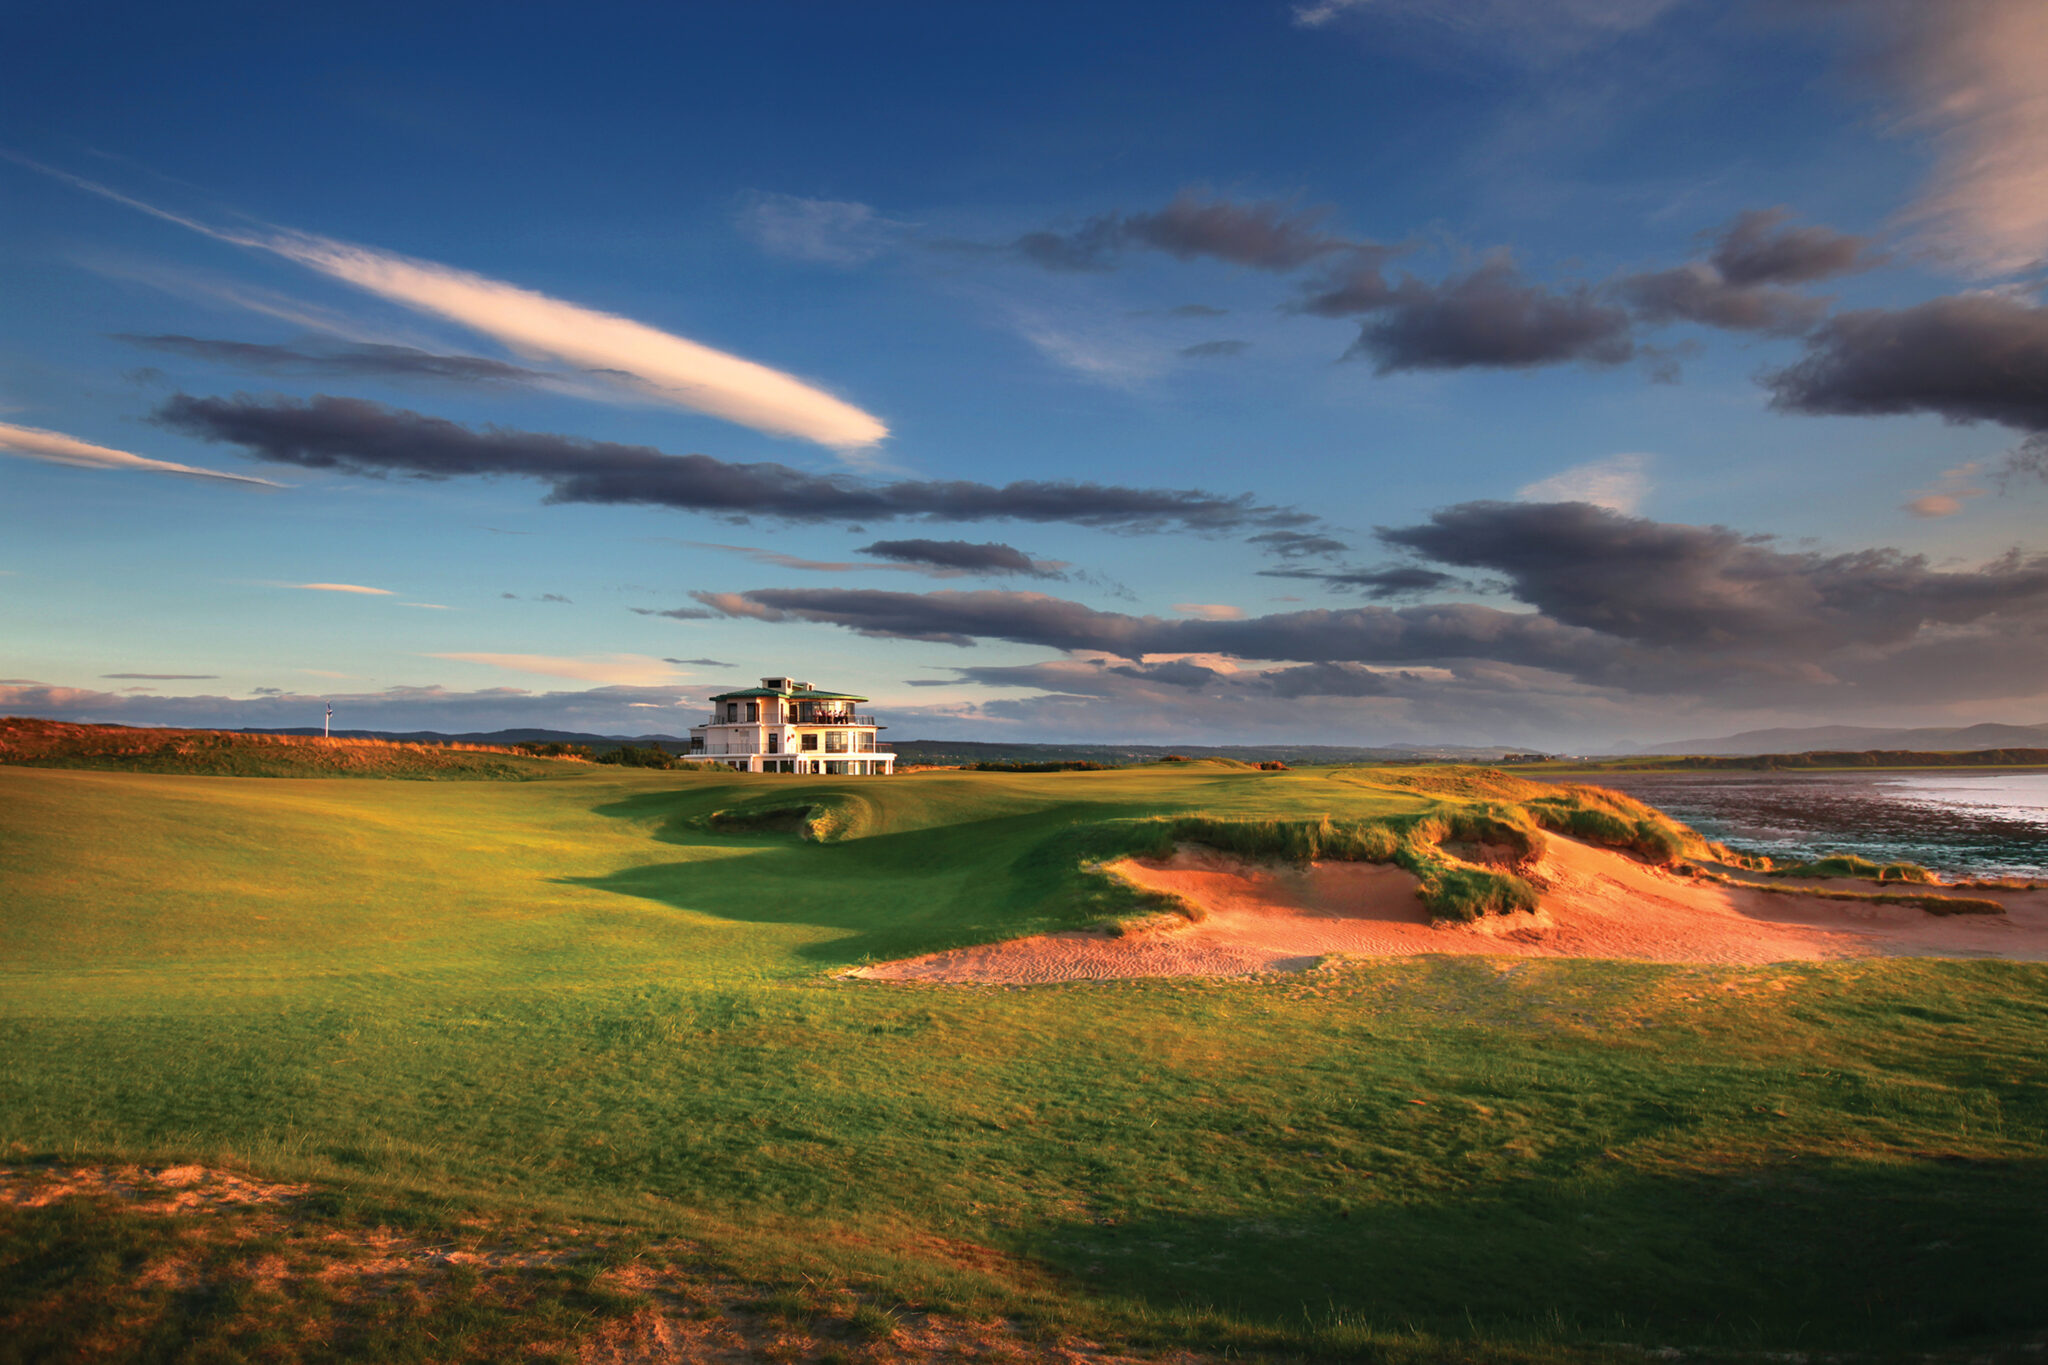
(579, 1001)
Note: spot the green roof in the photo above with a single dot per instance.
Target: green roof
(793, 696)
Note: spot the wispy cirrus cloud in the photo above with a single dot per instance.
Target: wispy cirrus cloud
(1967, 73)
(624, 670)
(342, 587)
(54, 447)
(1618, 483)
(829, 231)
(639, 358)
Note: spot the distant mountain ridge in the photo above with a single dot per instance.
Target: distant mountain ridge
(1932, 739)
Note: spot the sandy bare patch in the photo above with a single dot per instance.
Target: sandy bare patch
(168, 1189)
(1596, 904)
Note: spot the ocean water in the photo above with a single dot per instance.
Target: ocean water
(1990, 824)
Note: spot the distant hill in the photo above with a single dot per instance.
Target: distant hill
(1848, 737)
(943, 752)
(498, 738)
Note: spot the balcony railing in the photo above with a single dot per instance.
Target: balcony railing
(816, 718)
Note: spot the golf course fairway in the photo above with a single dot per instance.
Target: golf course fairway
(581, 1002)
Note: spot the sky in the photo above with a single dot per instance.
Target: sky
(1563, 374)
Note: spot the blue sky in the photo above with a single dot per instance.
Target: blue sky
(1561, 373)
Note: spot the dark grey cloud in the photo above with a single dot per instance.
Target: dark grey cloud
(1357, 635)
(1293, 544)
(1968, 358)
(1355, 284)
(159, 677)
(676, 614)
(989, 557)
(1205, 350)
(360, 361)
(1174, 673)
(1623, 605)
(702, 663)
(1735, 288)
(1326, 680)
(1698, 589)
(1756, 249)
(1265, 235)
(1492, 318)
(1382, 582)
(1698, 293)
(361, 437)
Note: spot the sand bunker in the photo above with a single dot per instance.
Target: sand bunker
(1596, 903)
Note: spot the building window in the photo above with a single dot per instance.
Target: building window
(867, 741)
(810, 744)
(835, 768)
(753, 710)
(835, 741)
(775, 744)
(732, 710)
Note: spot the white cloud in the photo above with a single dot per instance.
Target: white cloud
(642, 360)
(1210, 611)
(1619, 482)
(831, 231)
(54, 447)
(1102, 353)
(341, 587)
(652, 362)
(627, 670)
(1530, 30)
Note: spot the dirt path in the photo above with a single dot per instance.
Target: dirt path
(1597, 904)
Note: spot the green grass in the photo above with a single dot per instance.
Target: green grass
(578, 1002)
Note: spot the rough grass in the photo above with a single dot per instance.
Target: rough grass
(31, 743)
(1849, 865)
(572, 1007)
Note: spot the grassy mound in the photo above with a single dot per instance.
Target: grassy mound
(830, 819)
(1849, 865)
(31, 743)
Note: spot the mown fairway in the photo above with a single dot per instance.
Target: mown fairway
(569, 996)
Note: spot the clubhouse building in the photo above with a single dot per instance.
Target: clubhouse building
(785, 726)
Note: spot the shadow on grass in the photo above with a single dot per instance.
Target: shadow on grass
(893, 894)
(1897, 1256)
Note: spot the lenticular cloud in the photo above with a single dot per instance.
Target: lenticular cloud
(656, 363)
(643, 359)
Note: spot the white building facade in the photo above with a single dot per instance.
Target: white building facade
(786, 726)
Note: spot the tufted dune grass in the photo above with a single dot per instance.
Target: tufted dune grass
(579, 1002)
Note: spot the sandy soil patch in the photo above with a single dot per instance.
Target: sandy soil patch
(1596, 904)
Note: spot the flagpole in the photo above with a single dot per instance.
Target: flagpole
(327, 725)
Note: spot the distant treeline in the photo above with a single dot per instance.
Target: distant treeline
(1075, 765)
(1863, 758)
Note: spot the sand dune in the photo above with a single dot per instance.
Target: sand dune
(1596, 904)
